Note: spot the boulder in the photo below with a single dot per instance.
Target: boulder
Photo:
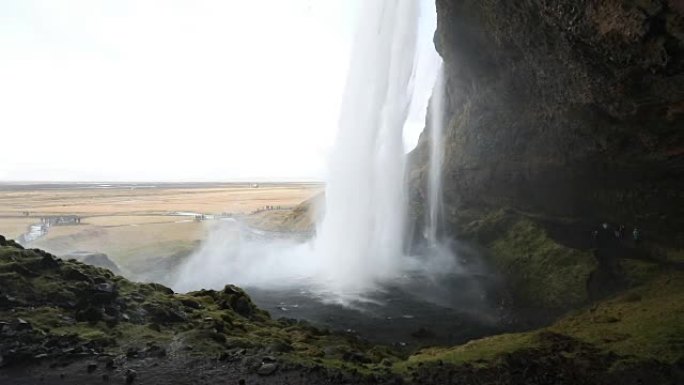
(267, 369)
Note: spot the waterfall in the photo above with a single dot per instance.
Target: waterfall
(360, 239)
(360, 243)
(434, 182)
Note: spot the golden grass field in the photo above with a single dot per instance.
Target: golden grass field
(128, 224)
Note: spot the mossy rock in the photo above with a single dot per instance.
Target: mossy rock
(642, 326)
(539, 271)
(76, 308)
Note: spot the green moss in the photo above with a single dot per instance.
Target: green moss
(675, 255)
(645, 322)
(206, 323)
(485, 228)
(478, 351)
(542, 272)
(44, 318)
(639, 272)
(641, 325)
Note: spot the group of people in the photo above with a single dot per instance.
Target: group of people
(267, 208)
(605, 231)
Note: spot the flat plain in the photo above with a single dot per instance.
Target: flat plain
(131, 222)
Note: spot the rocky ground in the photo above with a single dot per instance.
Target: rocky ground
(58, 317)
(67, 322)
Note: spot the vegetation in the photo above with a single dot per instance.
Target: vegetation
(540, 272)
(641, 325)
(301, 219)
(54, 307)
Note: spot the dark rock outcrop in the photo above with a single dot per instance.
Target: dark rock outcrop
(64, 310)
(564, 109)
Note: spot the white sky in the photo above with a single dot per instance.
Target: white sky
(125, 90)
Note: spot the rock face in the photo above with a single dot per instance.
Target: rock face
(564, 109)
(54, 309)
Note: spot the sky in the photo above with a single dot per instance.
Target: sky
(179, 90)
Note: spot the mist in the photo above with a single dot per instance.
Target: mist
(359, 248)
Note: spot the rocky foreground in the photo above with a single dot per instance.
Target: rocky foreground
(67, 322)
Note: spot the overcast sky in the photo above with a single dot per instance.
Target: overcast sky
(178, 89)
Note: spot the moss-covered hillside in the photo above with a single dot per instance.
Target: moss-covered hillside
(50, 308)
(634, 338)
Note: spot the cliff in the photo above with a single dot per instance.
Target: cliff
(563, 115)
(566, 109)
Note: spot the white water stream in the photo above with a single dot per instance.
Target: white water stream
(360, 242)
(361, 237)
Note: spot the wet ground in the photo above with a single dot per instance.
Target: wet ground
(179, 370)
(409, 315)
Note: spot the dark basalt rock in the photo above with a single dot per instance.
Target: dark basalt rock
(74, 274)
(130, 375)
(266, 369)
(423, 333)
(9, 242)
(563, 109)
(163, 314)
(90, 314)
(103, 293)
(50, 261)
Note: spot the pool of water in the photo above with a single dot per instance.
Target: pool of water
(410, 312)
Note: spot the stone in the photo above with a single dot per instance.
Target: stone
(50, 261)
(356, 357)
(89, 314)
(164, 315)
(191, 303)
(132, 352)
(279, 347)
(268, 359)
(74, 274)
(155, 326)
(22, 324)
(594, 150)
(266, 369)
(91, 367)
(103, 292)
(153, 350)
(130, 376)
(423, 333)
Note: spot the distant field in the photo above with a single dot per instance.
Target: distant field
(146, 201)
(134, 225)
(14, 227)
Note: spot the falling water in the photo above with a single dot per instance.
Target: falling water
(359, 245)
(361, 236)
(434, 187)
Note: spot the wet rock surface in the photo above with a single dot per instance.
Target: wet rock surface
(559, 360)
(568, 110)
(76, 323)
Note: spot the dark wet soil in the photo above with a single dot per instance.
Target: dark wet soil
(166, 371)
(419, 314)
